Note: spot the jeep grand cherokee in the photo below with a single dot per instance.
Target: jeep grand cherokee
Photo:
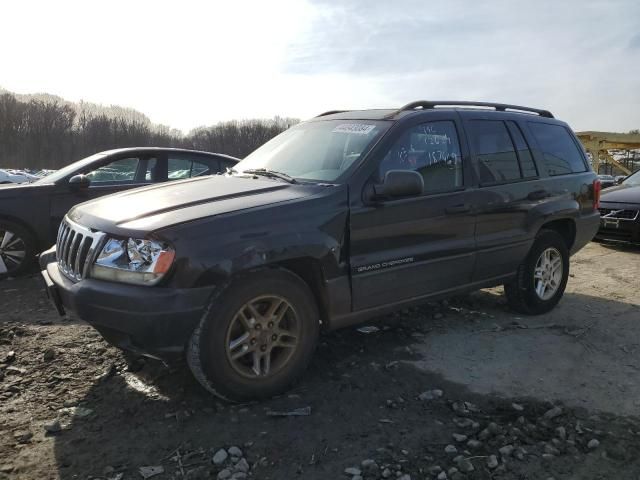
(341, 218)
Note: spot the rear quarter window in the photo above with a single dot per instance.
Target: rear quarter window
(560, 152)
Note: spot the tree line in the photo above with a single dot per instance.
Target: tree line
(44, 131)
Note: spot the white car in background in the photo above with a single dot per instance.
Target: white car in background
(13, 176)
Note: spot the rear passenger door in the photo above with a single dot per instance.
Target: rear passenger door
(508, 188)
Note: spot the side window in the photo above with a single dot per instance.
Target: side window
(198, 169)
(431, 149)
(497, 159)
(179, 168)
(119, 171)
(560, 152)
(527, 164)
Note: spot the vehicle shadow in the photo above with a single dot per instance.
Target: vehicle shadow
(361, 388)
(619, 246)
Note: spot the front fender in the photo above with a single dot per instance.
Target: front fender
(212, 250)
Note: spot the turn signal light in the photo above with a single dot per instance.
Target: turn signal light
(164, 261)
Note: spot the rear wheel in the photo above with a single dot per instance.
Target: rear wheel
(542, 278)
(17, 249)
(256, 338)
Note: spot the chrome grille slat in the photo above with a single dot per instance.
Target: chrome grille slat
(81, 256)
(67, 249)
(60, 248)
(96, 244)
(76, 249)
(61, 231)
(74, 256)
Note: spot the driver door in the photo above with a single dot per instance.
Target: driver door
(412, 247)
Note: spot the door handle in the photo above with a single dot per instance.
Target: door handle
(538, 195)
(458, 209)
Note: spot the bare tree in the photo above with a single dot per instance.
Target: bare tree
(45, 131)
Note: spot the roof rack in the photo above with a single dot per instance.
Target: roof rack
(500, 107)
(331, 112)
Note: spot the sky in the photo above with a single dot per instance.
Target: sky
(193, 63)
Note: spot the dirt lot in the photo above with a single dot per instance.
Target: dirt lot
(527, 398)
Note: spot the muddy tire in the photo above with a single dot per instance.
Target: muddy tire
(542, 278)
(256, 338)
(17, 249)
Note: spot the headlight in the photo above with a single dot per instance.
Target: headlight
(142, 262)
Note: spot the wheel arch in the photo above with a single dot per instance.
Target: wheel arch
(565, 227)
(38, 241)
(309, 270)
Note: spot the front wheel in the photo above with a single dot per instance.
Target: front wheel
(542, 278)
(256, 338)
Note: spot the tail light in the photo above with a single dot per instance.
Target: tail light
(597, 188)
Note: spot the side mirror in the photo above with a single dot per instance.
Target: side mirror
(79, 183)
(399, 183)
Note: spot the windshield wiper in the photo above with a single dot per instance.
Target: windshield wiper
(271, 174)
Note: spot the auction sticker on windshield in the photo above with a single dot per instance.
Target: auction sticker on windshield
(354, 128)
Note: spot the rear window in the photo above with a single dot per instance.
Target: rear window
(560, 152)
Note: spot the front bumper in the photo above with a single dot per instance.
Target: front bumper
(153, 321)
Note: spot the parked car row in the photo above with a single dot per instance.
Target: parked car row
(16, 176)
(338, 219)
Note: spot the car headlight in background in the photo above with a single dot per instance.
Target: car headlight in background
(141, 262)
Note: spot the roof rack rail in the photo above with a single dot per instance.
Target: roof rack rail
(500, 107)
(330, 112)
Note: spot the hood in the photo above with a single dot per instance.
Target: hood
(621, 194)
(158, 206)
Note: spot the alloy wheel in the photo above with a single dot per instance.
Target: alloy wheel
(547, 274)
(12, 251)
(262, 337)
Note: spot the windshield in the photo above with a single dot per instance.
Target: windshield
(633, 179)
(320, 151)
(69, 169)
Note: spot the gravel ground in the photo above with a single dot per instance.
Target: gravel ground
(455, 390)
